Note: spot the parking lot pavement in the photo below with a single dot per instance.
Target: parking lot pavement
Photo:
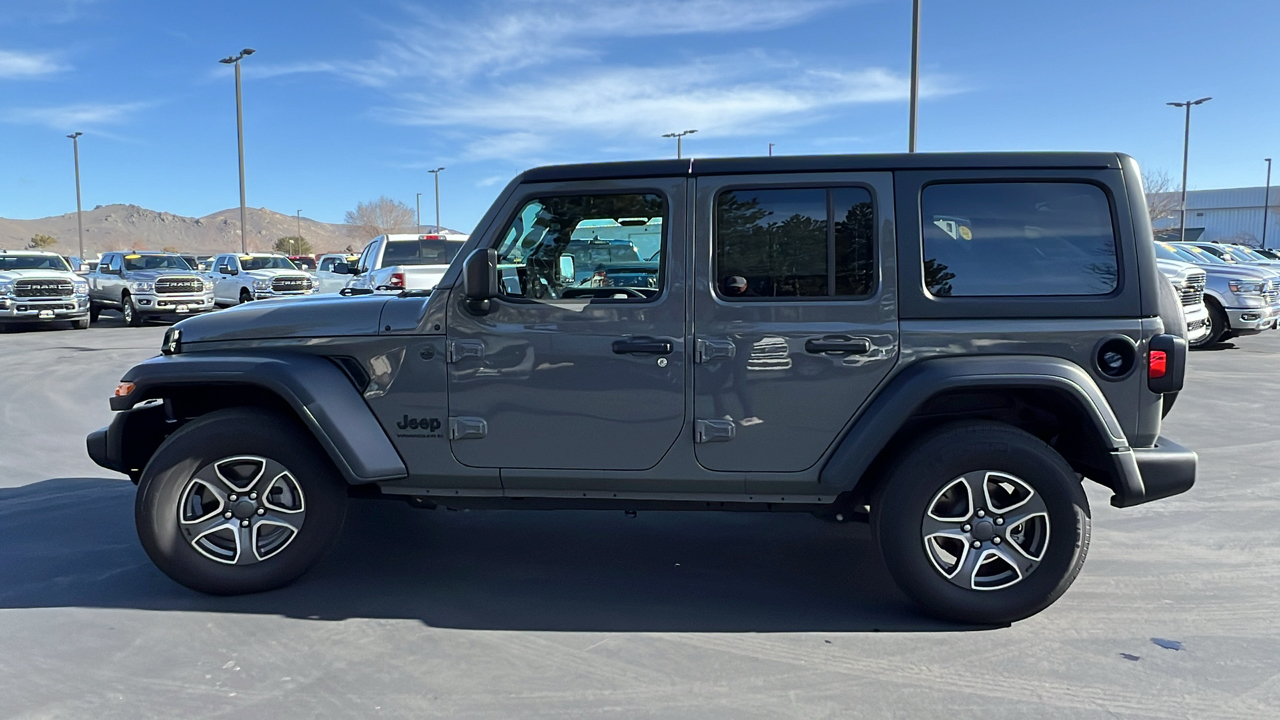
(576, 614)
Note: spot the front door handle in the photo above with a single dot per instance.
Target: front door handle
(643, 346)
(838, 344)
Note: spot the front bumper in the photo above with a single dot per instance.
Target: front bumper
(15, 309)
(1147, 474)
(1247, 321)
(1197, 322)
(268, 294)
(173, 303)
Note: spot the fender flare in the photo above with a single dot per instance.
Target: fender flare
(874, 428)
(321, 395)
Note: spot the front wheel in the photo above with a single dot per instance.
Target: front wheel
(239, 501)
(245, 297)
(1219, 329)
(132, 317)
(980, 522)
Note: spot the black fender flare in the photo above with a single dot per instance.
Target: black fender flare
(322, 396)
(908, 391)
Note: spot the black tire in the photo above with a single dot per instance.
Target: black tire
(928, 467)
(1219, 326)
(95, 311)
(245, 296)
(80, 324)
(132, 317)
(214, 438)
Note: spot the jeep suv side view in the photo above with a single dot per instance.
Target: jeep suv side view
(147, 284)
(942, 345)
(39, 286)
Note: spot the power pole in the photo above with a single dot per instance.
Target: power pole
(679, 136)
(75, 148)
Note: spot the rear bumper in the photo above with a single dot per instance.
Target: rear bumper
(1147, 474)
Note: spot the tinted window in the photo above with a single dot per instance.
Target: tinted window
(32, 262)
(795, 243)
(267, 262)
(154, 262)
(1030, 238)
(419, 252)
(605, 247)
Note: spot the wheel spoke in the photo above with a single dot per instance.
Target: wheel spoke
(245, 554)
(240, 473)
(967, 568)
(1004, 493)
(272, 532)
(1017, 560)
(225, 530)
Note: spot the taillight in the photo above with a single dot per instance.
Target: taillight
(1157, 364)
(397, 280)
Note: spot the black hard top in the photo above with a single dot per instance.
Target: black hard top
(821, 163)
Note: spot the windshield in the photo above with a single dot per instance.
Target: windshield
(155, 262)
(1249, 255)
(269, 262)
(1201, 256)
(419, 252)
(1219, 252)
(32, 262)
(1168, 252)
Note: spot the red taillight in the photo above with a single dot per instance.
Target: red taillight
(1157, 364)
(397, 279)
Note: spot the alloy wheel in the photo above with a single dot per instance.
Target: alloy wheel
(986, 530)
(241, 510)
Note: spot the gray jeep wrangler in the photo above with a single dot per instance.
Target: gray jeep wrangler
(946, 346)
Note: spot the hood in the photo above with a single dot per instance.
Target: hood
(150, 275)
(1177, 270)
(1237, 271)
(9, 275)
(269, 273)
(301, 317)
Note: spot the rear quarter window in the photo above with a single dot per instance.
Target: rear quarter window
(1018, 239)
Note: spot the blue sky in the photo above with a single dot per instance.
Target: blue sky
(346, 101)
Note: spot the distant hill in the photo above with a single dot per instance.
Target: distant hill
(129, 227)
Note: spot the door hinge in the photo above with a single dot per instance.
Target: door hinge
(709, 431)
(712, 350)
(459, 349)
(467, 428)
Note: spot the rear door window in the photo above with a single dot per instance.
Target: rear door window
(1018, 239)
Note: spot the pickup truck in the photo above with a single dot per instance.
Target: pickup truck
(240, 279)
(147, 284)
(38, 286)
(395, 263)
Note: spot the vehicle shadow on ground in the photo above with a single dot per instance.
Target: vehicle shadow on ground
(70, 542)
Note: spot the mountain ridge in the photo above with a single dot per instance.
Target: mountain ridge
(122, 226)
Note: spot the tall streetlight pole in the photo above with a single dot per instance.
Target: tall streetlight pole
(298, 242)
(75, 149)
(679, 136)
(770, 149)
(436, 173)
(915, 75)
(1186, 146)
(1266, 203)
(244, 243)
(419, 213)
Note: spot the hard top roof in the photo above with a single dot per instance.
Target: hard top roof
(821, 163)
(26, 251)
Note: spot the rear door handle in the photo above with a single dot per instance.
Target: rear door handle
(643, 346)
(838, 344)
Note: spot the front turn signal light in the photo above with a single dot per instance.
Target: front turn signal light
(124, 389)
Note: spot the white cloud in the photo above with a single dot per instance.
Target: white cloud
(15, 64)
(73, 117)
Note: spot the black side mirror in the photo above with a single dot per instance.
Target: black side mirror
(480, 278)
(339, 269)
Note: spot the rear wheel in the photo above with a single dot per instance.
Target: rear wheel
(981, 522)
(239, 501)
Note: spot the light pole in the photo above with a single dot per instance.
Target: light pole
(679, 140)
(1266, 203)
(419, 213)
(75, 149)
(298, 242)
(1186, 146)
(436, 173)
(770, 149)
(244, 243)
(915, 75)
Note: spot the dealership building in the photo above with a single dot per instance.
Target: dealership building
(1234, 214)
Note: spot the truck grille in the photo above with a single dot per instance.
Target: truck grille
(179, 285)
(290, 284)
(1270, 292)
(42, 288)
(1192, 290)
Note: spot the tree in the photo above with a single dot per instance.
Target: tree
(381, 216)
(40, 242)
(293, 245)
(1163, 199)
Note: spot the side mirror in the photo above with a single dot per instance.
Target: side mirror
(480, 278)
(340, 268)
(568, 270)
(110, 271)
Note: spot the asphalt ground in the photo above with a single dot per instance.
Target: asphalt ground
(579, 614)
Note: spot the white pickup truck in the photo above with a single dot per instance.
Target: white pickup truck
(393, 263)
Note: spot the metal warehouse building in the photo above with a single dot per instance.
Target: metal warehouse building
(1228, 214)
